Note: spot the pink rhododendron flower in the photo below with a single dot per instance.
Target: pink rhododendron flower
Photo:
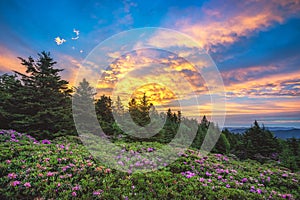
(27, 184)
(15, 183)
(50, 174)
(12, 175)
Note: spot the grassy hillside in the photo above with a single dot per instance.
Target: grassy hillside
(64, 169)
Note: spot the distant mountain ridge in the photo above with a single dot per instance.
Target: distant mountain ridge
(280, 132)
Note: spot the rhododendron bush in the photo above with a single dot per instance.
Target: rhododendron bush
(64, 168)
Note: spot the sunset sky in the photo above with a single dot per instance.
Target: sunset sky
(254, 44)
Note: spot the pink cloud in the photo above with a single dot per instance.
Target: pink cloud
(9, 61)
(224, 23)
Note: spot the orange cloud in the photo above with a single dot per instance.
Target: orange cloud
(246, 17)
(284, 84)
(9, 61)
(139, 68)
(263, 107)
(70, 66)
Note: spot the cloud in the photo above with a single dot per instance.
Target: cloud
(77, 34)
(247, 74)
(71, 67)
(9, 61)
(59, 41)
(240, 83)
(123, 15)
(263, 106)
(226, 23)
(147, 67)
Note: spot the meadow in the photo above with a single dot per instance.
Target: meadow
(63, 168)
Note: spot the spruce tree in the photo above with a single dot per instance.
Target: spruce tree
(43, 105)
(83, 106)
(259, 143)
(9, 87)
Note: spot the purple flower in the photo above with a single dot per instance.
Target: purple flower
(252, 189)
(27, 184)
(244, 180)
(77, 187)
(201, 179)
(74, 194)
(258, 191)
(65, 168)
(150, 149)
(97, 192)
(208, 174)
(190, 175)
(12, 175)
(15, 183)
(285, 175)
(50, 174)
(46, 142)
(228, 186)
(224, 180)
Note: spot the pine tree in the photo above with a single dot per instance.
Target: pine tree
(9, 87)
(205, 122)
(119, 108)
(83, 107)
(259, 143)
(222, 145)
(103, 108)
(43, 106)
(143, 113)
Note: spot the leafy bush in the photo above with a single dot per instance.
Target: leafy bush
(64, 169)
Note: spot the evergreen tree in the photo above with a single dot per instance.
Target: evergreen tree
(259, 142)
(205, 122)
(83, 106)
(104, 113)
(143, 113)
(179, 116)
(222, 146)
(119, 108)
(43, 105)
(9, 87)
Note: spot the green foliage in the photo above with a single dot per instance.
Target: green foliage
(139, 111)
(259, 143)
(64, 169)
(222, 145)
(39, 103)
(9, 88)
(83, 107)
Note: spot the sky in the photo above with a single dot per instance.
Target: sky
(254, 44)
